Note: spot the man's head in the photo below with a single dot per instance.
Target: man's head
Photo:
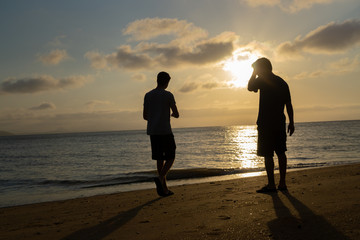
(163, 79)
(262, 66)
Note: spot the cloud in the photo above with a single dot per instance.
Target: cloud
(307, 75)
(189, 87)
(97, 60)
(328, 39)
(94, 103)
(290, 6)
(57, 41)
(205, 81)
(54, 57)
(257, 3)
(209, 82)
(210, 51)
(190, 47)
(127, 58)
(139, 77)
(298, 5)
(44, 106)
(41, 84)
(344, 65)
(149, 28)
(123, 58)
(210, 85)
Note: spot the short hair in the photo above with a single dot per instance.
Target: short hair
(163, 78)
(263, 64)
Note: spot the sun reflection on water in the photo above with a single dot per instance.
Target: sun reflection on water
(242, 143)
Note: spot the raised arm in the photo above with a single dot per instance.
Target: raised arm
(252, 83)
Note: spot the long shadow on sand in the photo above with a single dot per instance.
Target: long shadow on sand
(105, 228)
(308, 226)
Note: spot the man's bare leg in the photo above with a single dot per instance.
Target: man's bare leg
(269, 165)
(282, 168)
(163, 168)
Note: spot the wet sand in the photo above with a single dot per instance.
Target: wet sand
(322, 203)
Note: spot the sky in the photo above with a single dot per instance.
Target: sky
(78, 66)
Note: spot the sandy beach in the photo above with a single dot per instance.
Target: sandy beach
(322, 203)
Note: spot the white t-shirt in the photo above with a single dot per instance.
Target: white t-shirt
(157, 104)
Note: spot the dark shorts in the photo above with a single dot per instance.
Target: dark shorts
(271, 139)
(163, 147)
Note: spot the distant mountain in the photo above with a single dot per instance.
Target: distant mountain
(3, 133)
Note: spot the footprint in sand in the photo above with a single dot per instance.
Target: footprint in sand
(215, 232)
(224, 217)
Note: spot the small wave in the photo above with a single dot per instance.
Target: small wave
(63, 182)
(175, 174)
(301, 158)
(146, 176)
(178, 174)
(307, 165)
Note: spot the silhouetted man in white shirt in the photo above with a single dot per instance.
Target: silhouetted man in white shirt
(157, 105)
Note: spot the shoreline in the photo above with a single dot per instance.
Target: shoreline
(201, 176)
(322, 203)
(173, 181)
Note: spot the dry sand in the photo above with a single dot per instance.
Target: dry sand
(322, 203)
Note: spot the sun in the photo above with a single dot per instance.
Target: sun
(239, 66)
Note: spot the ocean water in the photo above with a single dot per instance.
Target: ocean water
(38, 168)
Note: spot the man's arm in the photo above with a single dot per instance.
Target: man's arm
(145, 111)
(172, 103)
(290, 112)
(145, 115)
(252, 83)
(175, 112)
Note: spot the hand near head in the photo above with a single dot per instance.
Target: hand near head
(291, 129)
(254, 73)
(252, 82)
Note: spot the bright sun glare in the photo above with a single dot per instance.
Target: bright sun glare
(239, 66)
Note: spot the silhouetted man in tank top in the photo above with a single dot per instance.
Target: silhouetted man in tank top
(274, 96)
